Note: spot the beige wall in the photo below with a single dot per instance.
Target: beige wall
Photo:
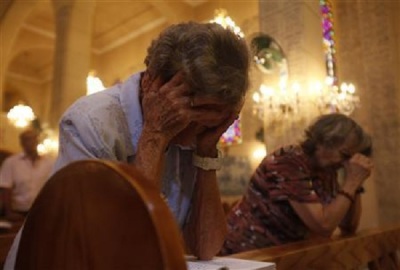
(125, 60)
(366, 50)
(368, 54)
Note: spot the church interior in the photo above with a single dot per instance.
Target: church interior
(307, 58)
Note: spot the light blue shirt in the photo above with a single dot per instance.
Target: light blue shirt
(107, 125)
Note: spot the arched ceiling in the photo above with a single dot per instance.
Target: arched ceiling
(115, 23)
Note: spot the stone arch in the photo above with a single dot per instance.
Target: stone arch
(10, 25)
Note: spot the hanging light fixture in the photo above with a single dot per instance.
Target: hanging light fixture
(223, 19)
(21, 115)
(49, 143)
(93, 84)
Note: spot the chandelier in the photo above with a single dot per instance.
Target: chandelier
(278, 97)
(49, 143)
(223, 19)
(292, 101)
(21, 115)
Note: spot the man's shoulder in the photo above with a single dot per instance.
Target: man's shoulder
(14, 158)
(101, 107)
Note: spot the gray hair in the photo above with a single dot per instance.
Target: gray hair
(332, 130)
(214, 60)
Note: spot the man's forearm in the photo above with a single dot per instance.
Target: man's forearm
(206, 229)
(149, 159)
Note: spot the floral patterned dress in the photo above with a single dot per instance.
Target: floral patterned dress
(264, 216)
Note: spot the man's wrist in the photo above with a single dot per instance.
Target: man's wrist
(154, 140)
(208, 163)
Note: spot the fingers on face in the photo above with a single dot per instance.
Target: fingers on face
(177, 79)
(174, 91)
(199, 101)
(362, 160)
(156, 84)
(209, 118)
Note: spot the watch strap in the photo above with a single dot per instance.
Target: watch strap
(208, 163)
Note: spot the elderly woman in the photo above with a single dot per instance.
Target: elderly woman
(295, 193)
(166, 121)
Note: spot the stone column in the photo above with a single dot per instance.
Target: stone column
(368, 55)
(74, 21)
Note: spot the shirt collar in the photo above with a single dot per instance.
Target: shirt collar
(131, 106)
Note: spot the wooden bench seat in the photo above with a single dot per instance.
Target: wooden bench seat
(376, 248)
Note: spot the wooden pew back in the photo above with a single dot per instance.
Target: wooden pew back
(100, 215)
(375, 248)
(6, 240)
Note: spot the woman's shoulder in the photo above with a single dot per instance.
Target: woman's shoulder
(289, 151)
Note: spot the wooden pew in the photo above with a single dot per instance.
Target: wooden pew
(100, 215)
(6, 241)
(375, 248)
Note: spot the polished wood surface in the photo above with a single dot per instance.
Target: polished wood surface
(100, 215)
(6, 240)
(373, 247)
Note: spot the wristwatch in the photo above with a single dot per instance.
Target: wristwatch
(207, 163)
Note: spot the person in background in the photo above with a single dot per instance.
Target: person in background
(295, 194)
(23, 175)
(166, 121)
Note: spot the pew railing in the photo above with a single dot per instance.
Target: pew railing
(375, 249)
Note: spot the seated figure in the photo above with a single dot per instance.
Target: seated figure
(295, 193)
(22, 175)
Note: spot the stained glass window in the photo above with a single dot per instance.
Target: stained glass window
(328, 36)
(233, 135)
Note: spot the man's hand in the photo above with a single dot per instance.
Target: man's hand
(166, 107)
(217, 122)
(207, 140)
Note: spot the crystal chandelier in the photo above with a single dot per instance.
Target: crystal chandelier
(341, 98)
(223, 19)
(21, 115)
(316, 98)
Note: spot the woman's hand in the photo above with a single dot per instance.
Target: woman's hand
(358, 169)
(166, 107)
